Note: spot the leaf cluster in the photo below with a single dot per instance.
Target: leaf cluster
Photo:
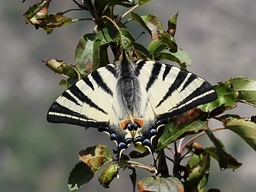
(110, 32)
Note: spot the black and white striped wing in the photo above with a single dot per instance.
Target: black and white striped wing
(87, 103)
(171, 90)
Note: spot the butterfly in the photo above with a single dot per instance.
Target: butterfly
(129, 100)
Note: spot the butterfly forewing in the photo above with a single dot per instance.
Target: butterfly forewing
(171, 90)
(88, 103)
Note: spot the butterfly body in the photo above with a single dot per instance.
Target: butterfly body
(127, 99)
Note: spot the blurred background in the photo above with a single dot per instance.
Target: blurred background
(38, 156)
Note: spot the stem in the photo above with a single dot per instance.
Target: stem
(83, 19)
(170, 149)
(180, 142)
(185, 155)
(169, 158)
(130, 10)
(134, 164)
(91, 11)
(108, 18)
(78, 74)
(95, 11)
(162, 165)
(79, 5)
(176, 162)
(217, 118)
(199, 135)
(64, 12)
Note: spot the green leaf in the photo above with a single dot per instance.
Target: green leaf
(160, 39)
(79, 176)
(58, 66)
(84, 55)
(36, 13)
(168, 40)
(106, 36)
(91, 51)
(96, 157)
(138, 18)
(155, 47)
(55, 20)
(108, 175)
(179, 57)
(126, 39)
(232, 162)
(198, 168)
(93, 158)
(154, 25)
(227, 98)
(102, 40)
(182, 56)
(219, 148)
(125, 3)
(245, 128)
(97, 8)
(191, 122)
(68, 82)
(137, 154)
(246, 88)
(160, 184)
(141, 52)
(141, 2)
(172, 24)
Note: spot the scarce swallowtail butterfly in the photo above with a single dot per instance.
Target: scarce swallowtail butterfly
(130, 100)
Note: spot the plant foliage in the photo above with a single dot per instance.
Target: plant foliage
(111, 32)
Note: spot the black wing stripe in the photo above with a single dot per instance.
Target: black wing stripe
(166, 71)
(67, 95)
(98, 79)
(190, 79)
(78, 103)
(111, 69)
(154, 75)
(201, 93)
(88, 82)
(185, 106)
(84, 99)
(177, 83)
(139, 64)
(60, 114)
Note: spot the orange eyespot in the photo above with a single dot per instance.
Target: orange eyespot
(124, 123)
(140, 122)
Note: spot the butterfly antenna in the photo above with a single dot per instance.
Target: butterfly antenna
(132, 43)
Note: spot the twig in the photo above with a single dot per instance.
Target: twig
(200, 135)
(130, 10)
(79, 5)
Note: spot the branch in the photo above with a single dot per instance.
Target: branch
(79, 5)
